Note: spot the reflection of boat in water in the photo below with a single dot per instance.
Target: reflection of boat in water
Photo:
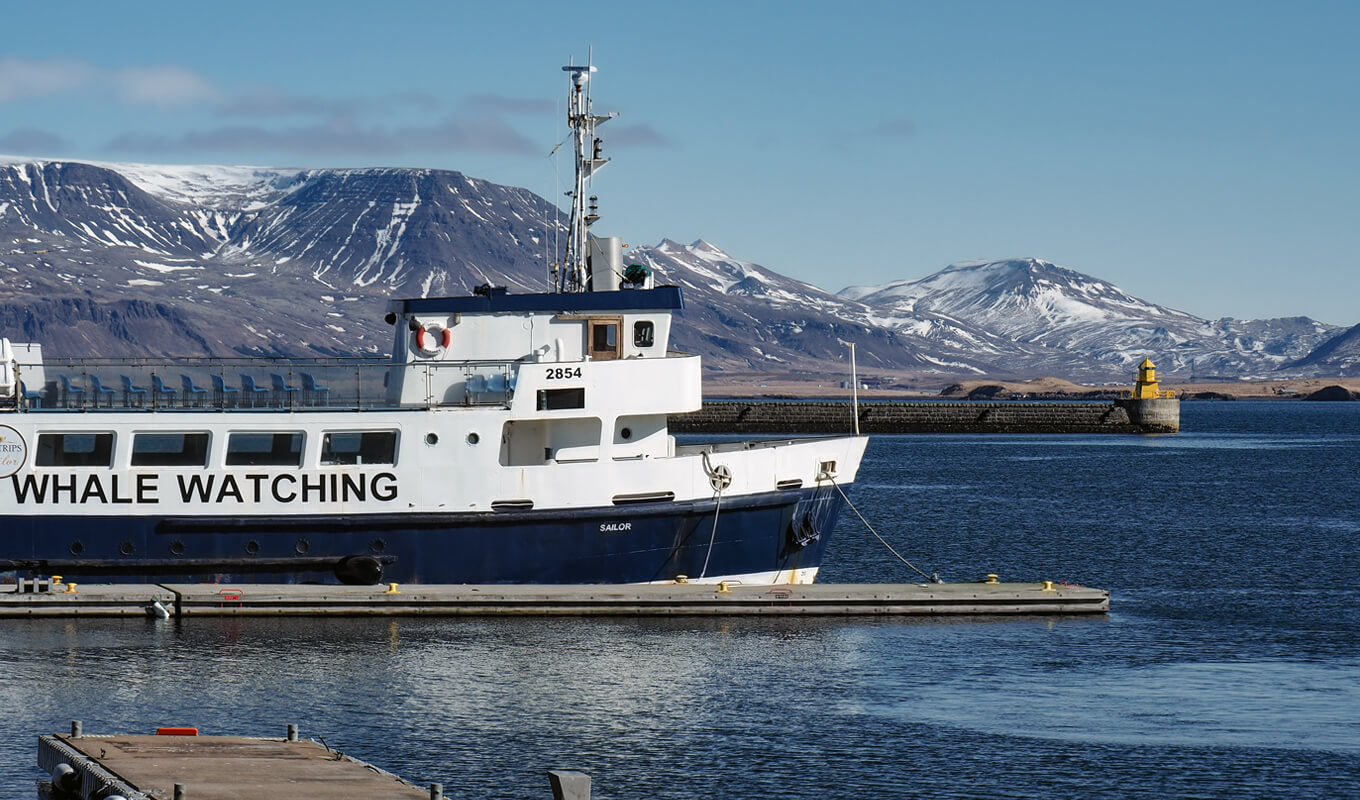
(511, 438)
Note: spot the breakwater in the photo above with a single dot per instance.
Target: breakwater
(765, 416)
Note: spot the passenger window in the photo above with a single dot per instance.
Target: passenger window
(170, 450)
(359, 447)
(74, 450)
(264, 449)
(643, 333)
(558, 399)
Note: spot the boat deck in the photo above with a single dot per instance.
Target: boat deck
(218, 384)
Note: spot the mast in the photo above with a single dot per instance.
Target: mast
(582, 120)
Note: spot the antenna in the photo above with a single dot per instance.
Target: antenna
(589, 159)
(854, 388)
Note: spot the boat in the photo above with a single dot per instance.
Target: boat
(508, 438)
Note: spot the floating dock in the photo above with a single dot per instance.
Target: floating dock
(185, 766)
(672, 599)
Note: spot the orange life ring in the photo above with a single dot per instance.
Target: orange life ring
(431, 339)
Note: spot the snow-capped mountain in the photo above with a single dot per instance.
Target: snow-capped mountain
(745, 317)
(1339, 355)
(1064, 313)
(129, 260)
(117, 260)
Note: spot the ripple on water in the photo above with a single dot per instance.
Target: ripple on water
(1274, 704)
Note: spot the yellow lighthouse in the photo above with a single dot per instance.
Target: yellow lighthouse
(1146, 388)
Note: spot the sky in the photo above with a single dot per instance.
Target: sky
(1200, 155)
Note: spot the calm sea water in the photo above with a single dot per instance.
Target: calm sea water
(1229, 665)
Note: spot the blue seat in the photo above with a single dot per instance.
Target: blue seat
(313, 391)
(251, 392)
(192, 394)
(131, 392)
(282, 389)
(160, 389)
(31, 398)
(70, 392)
(224, 394)
(101, 391)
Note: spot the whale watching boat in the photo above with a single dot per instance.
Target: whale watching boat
(509, 438)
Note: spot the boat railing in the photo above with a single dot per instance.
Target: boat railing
(257, 383)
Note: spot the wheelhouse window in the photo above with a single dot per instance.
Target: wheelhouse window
(359, 447)
(644, 333)
(266, 449)
(604, 338)
(170, 450)
(74, 450)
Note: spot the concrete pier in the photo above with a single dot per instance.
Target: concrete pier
(771, 417)
(672, 599)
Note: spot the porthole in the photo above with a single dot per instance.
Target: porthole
(626, 433)
(177, 548)
(77, 548)
(473, 438)
(302, 547)
(127, 548)
(431, 438)
(252, 547)
(377, 545)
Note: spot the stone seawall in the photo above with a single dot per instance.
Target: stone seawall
(736, 416)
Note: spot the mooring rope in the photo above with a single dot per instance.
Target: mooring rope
(932, 578)
(719, 477)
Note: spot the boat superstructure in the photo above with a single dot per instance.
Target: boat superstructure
(510, 438)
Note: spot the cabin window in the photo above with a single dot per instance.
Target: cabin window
(170, 450)
(267, 449)
(359, 447)
(558, 399)
(604, 338)
(644, 333)
(74, 450)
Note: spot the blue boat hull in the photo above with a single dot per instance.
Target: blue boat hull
(751, 535)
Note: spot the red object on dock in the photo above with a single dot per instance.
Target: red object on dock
(177, 731)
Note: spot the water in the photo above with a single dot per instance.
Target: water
(1229, 664)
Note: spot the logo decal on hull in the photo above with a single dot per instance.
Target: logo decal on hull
(13, 451)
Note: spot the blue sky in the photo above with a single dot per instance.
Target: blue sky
(1201, 155)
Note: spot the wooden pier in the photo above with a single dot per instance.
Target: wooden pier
(186, 766)
(671, 599)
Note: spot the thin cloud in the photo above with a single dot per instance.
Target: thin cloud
(338, 137)
(166, 87)
(32, 140)
(270, 119)
(893, 129)
(21, 78)
(270, 101)
(162, 86)
(898, 128)
(633, 136)
(502, 104)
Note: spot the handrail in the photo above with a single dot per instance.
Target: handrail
(246, 384)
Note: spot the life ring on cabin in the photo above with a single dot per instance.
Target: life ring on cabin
(431, 339)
